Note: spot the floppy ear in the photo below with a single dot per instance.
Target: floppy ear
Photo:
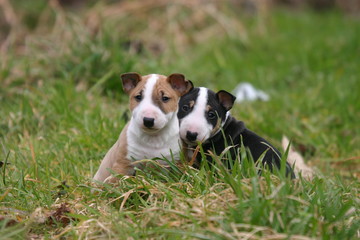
(179, 83)
(226, 99)
(130, 80)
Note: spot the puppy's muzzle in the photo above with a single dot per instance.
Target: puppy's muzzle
(148, 122)
(191, 136)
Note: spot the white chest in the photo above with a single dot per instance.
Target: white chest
(143, 146)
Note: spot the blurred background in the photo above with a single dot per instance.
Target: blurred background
(304, 53)
(81, 34)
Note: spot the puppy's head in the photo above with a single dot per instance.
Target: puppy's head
(202, 112)
(154, 98)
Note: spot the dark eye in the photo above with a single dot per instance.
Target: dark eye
(165, 99)
(211, 115)
(138, 97)
(185, 108)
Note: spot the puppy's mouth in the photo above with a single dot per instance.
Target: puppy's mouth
(150, 131)
(191, 143)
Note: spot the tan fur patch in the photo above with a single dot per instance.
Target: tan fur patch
(162, 89)
(217, 127)
(116, 160)
(191, 103)
(123, 161)
(121, 165)
(218, 123)
(136, 91)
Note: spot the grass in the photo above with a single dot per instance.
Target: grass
(62, 108)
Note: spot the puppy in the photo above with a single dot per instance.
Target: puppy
(204, 117)
(153, 130)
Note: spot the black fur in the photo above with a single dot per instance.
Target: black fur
(234, 131)
(184, 102)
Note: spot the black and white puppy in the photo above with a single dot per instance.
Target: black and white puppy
(203, 114)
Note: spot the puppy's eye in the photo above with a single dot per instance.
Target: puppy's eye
(165, 99)
(211, 115)
(138, 97)
(185, 108)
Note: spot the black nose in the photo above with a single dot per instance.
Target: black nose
(149, 122)
(191, 136)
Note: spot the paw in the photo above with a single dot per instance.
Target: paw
(111, 179)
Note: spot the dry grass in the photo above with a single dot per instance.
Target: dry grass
(178, 214)
(161, 28)
(157, 24)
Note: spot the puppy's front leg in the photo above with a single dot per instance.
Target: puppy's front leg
(107, 163)
(121, 166)
(115, 160)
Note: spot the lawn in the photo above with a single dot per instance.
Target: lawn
(62, 108)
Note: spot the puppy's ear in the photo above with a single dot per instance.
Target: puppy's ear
(180, 84)
(191, 86)
(129, 81)
(226, 99)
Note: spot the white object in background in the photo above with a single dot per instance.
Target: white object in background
(247, 92)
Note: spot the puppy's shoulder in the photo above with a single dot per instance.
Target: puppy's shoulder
(234, 125)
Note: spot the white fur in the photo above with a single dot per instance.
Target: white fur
(196, 121)
(142, 145)
(157, 141)
(141, 142)
(148, 109)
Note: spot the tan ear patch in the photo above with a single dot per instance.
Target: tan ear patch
(178, 82)
(130, 81)
(138, 90)
(163, 90)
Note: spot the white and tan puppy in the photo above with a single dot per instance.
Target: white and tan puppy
(153, 130)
